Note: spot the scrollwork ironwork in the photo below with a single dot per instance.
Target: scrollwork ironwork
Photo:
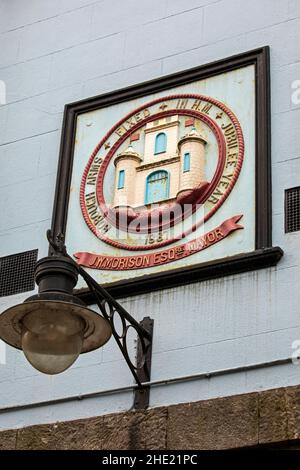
(103, 299)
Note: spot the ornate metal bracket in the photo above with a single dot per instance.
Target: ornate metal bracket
(111, 310)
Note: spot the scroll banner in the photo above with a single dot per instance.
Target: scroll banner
(123, 263)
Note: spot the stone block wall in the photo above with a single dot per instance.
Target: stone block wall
(251, 420)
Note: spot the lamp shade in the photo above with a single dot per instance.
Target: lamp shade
(97, 330)
(52, 333)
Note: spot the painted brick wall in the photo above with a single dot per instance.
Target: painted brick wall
(57, 51)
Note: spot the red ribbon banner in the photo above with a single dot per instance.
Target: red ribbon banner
(148, 260)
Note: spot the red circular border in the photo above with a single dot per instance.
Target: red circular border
(112, 151)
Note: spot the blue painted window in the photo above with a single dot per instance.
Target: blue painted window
(160, 143)
(121, 179)
(157, 187)
(186, 162)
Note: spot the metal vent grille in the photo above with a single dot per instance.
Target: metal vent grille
(292, 209)
(17, 273)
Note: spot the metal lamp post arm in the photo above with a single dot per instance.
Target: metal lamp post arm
(92, 284)
(110, 308)
(104, 300)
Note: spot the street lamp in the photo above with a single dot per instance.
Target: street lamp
(54, 326)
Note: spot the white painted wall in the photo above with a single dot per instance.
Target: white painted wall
(57, 51)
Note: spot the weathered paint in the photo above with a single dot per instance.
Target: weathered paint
(217, 324)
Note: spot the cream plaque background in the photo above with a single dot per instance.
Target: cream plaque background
(236, 89)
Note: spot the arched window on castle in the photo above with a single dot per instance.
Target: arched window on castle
(157, 186)
(160, 143)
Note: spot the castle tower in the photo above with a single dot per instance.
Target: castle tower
(191, 148)
(161, 139)
(126, 164)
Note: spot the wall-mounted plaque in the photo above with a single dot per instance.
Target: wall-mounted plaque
(168, 181)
